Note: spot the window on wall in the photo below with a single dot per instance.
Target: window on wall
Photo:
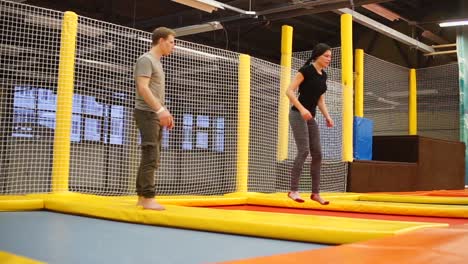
(76, 118)
(116, 124)
(92, 114)
(218, 145)
(165, 138)
(22, 120)
(203, 125)
(33, 109)
(187, 132)
(92, 121)
(203, 132)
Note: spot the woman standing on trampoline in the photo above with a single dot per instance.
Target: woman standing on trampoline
(311, 80)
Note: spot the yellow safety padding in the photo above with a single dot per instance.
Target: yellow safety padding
(439, 210)
(347, 82)
(345, 202)
(359, 83)
(65, 86)
(283, 101)
(282, 196)
(412, 104)
(308, 228)
(8, 258)
(414, 199)
(20, 203)
(182, 200)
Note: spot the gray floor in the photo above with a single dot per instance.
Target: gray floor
(60, 238)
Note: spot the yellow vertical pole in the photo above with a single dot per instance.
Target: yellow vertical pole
(412, 104)
(285, 79)
(243, 123)
(359, 83)
(62, 138)
(347, 82)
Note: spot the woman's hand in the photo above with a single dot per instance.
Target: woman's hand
(330, 122)
(306, 115)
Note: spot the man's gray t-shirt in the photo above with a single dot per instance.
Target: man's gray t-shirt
(147, 65)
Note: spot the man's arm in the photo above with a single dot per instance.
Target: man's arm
(142, 84)
(165, 118)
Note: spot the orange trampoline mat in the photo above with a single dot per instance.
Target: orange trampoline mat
(431, 245)
(451, 221)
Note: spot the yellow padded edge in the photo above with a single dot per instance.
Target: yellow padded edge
(440, 210)
(8, 258)
(283, 196)
(413, 199)
(20, 203)
(346, 202)
(186, 200)
(308, 228)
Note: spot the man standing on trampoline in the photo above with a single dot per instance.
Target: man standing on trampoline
(150, 113)
(311, 80)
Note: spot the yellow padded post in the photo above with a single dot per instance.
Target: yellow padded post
(243, 123)
(283, 109)
(347, 81)
(413, 104)
(62, 139)
(359, 84)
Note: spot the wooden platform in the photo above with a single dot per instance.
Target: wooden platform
(409, 163)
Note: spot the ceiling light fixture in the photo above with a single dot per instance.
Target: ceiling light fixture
(212, 5)
(454, 23)
(204, 5)
(195, 29)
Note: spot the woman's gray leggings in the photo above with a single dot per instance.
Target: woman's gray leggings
(307, 137)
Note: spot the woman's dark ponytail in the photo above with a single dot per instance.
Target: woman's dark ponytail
(318, 51)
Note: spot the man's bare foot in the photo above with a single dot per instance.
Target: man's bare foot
(139, 201)
(150, 203)
(316, 197)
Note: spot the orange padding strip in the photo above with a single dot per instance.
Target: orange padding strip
(454, 193)
(431, 245)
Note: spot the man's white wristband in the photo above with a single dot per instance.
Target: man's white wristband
(162, 109)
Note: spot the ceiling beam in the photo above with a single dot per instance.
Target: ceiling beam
(387, 31)
(304, 5)
(315, 7)
(275, 13)
(187, 17)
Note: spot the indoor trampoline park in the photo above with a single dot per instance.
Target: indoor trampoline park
(392, 165)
